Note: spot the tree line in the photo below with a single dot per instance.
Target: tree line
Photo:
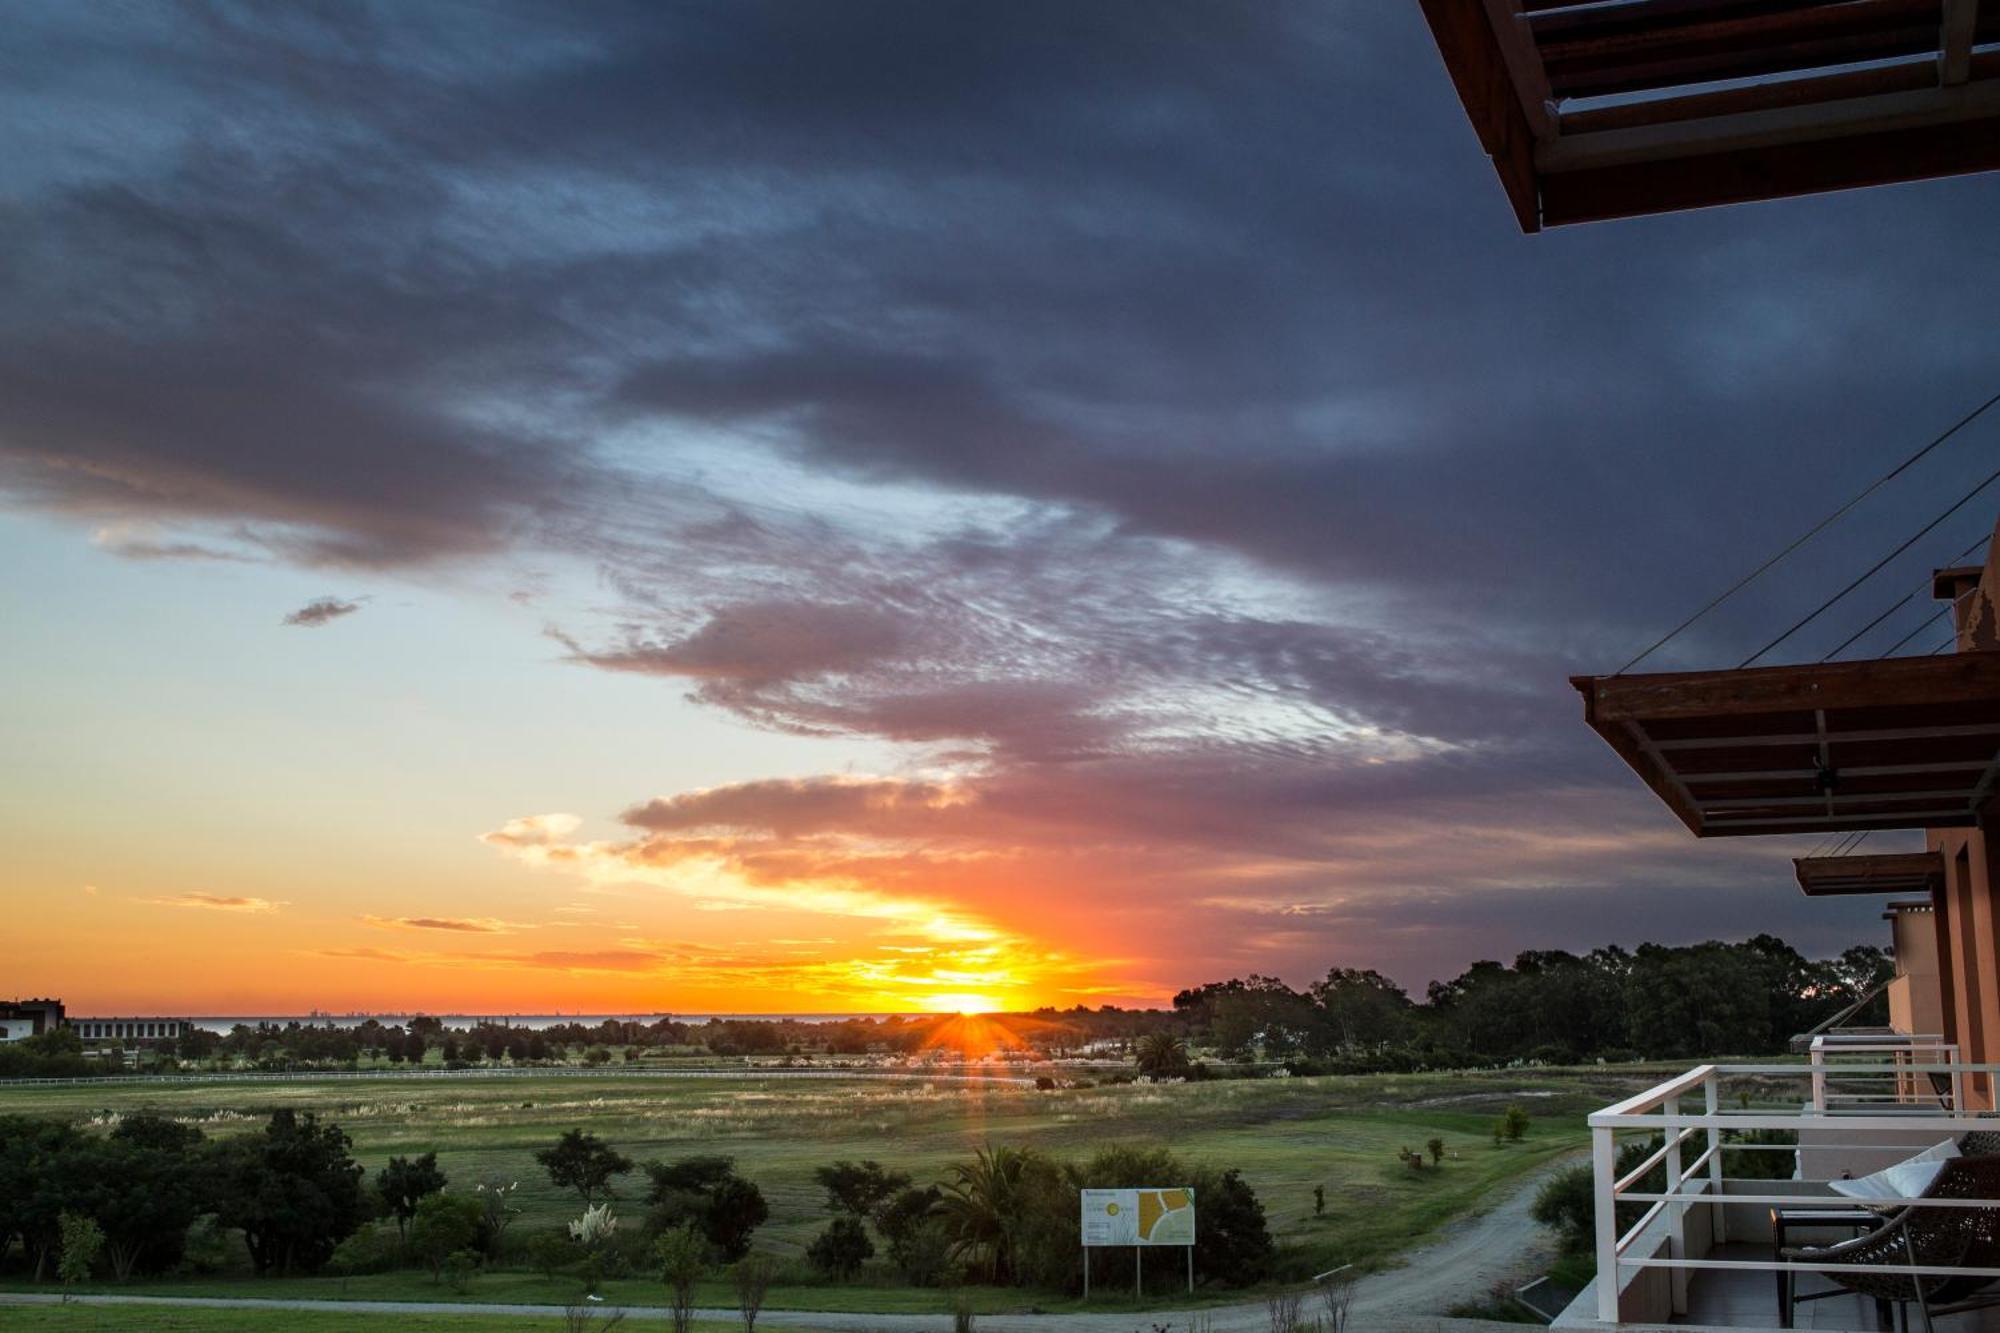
(1653, 1002)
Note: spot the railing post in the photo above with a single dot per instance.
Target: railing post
(1604, 1165)
(1818, 1077)
(1676, 1211)
(1712, 1107)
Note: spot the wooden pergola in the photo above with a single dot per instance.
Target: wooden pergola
(1890, 872)
(1594, 109)
(1907, 742)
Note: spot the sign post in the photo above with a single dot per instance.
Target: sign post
(1141, 1218)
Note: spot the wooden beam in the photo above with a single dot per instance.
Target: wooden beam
(1961, 21)
(1485, 86)
(1774, 127)
(1905, 76)
(1858, 771)
(1908, 870)
(1886, 682)
(1523, 59)
(1705, 180)
(1837, 737)
(1741, 46)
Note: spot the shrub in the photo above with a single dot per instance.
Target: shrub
(460, 1267)
(443, 1225)
(551, 1253)
(374, 1248)
(842, 1248)
(923, 1255)
(1514, 1123)
(1566, 1202)
(1436, 1147)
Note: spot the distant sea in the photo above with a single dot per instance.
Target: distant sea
(222, 1023)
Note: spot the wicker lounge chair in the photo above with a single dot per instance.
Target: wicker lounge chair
(1918, 1236)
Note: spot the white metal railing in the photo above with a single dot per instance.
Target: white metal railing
(1903, 1113)
(1847, 1070)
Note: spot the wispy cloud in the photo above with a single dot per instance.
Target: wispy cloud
(321, 611)
(215, 902)
(470, 925)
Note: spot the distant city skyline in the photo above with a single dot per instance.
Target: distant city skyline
(891, 508)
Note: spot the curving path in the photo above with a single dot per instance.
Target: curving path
(1463, 1264)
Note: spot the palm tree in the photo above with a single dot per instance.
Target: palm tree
(1161, 1055)
(980, 1206)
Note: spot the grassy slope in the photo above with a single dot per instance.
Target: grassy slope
(1286, 1134)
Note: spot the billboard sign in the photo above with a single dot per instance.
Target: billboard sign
(1138, 1217)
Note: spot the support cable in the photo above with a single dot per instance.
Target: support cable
(1811, 533)
(1874, 569)
(1920, 589)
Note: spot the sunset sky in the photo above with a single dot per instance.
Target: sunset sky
(801, 507)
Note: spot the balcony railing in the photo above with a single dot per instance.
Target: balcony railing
(1860, 1104)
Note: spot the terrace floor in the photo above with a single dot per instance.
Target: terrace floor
(1750, 1300)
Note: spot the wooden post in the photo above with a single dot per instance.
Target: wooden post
(1139, 1271)
(1086, 1272)
(1190, 1270)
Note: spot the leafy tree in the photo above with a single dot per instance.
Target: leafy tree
(583, 1162)
(33, 1196)
(294, 1191)
(984, 1204)
(900, 1218)
(752, 1277)
(443, 1224)
(683, 1258)
(81, 1241)
(405, 1183)
(1361, 1008)
(858, 1189)
(146, 1192)
(842, 1248)
(706, 1193)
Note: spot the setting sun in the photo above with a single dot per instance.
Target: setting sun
(962, 1004)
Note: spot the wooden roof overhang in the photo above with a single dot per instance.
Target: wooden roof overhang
(1896, 872)
(1594, 109)
(1907, 742)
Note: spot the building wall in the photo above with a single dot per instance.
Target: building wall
(14, 1029)
(1916, 996)
(1965, 909)
(130, 1029)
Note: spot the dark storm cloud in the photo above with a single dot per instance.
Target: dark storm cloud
(1290, 480)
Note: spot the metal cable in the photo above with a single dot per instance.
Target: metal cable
(1811, 533)
(1874, 569)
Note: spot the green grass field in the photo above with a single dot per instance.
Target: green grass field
(1287, 1135)
(158, 1319)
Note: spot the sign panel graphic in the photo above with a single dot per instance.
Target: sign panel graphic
(1138, 1217)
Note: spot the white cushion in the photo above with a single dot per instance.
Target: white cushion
(1907, 1179)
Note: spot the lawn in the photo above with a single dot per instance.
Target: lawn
(162, 1319)
(1287, 1135)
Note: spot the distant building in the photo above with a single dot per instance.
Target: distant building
(29, 1018)
(131, 1029)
